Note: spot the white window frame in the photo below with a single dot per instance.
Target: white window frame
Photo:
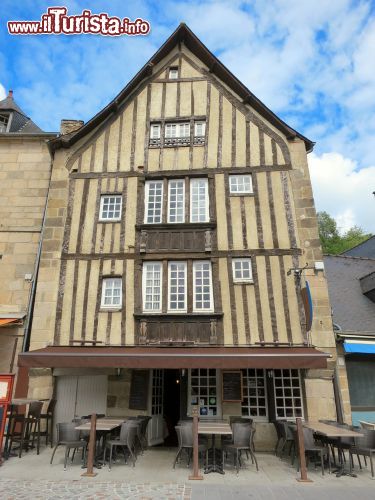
(170, 264)
(5, 120)
(105, 283)
(238, 181)
(155, 131)
(170, 184)
(242, 260)
(173, 73)
(207, 200)
(218, 393)
(177, 128)
(101, 214)
(147, 196)
(246, 394)
(195, 265)
(144, 284)
(203, 124)
(292, 397)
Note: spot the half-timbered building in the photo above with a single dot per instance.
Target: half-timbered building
(180, 228)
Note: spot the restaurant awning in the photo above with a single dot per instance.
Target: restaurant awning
(174, 357)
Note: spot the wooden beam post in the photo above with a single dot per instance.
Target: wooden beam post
(91, 454)
(195, 475)
(301, 450)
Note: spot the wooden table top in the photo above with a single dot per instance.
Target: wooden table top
(102, 424)
(222, 428)
(331, 430)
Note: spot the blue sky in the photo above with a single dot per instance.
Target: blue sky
(311, 62)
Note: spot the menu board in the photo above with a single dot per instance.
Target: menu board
(138, 398)
(232, 386)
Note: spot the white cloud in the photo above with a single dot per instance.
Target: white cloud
(344, 191)
(3, 93)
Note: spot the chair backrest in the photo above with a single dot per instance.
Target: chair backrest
(288, 433)
(130, 440)
(242, 434)
(179, 437)
(367, 425)
(187, 435)
(35, 409)
(367, 440)
(308, 437)
(67, 432)
(51, 406)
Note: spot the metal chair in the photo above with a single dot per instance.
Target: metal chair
(186, 443)
(126, 441)
(69, 437)
(279, 427)
(311, 448)
(48, 417)
(243, 437)
(365, 446)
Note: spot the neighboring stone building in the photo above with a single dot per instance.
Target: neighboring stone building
(179, 219)
(351, 284)
(25, 169)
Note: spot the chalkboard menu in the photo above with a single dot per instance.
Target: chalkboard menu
(138, 398)
(232, 386)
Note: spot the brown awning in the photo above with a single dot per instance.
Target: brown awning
(8, 321)
(174, 357)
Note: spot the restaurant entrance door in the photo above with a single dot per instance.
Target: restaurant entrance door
(171, 404)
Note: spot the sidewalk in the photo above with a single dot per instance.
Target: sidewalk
(32, 477)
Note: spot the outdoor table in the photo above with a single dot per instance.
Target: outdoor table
(333, 431)
(213, 428)
(102, 424)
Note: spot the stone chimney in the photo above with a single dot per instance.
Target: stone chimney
(68, 126)
(10, 94)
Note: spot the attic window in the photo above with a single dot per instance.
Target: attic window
(173, 73)
(3, 123)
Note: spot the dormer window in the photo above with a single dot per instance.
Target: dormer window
(4, 119)
(173, 73)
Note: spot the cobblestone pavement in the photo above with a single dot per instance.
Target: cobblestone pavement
(83, 489)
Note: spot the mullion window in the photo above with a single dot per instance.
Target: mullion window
(202, 283)
(154, 202)
(199, 208)
(152, 286)
(176, 200)
(288, 394)
(254, 403)
(177, 287)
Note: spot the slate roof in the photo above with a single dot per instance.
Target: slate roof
(352, 310)
(20, 122)
(365, 249)
(183, 34)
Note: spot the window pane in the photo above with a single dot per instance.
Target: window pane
(154, 197)
(289, 406)
(177, 287)
(242, 270)
(110, 207)
(254, 403)
(176, 201)
(152, 286)
(202, 286)
(112, 292)
(199, 200)
(240, 184)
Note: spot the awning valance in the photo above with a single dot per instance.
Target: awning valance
(174, 357)
(358, 347)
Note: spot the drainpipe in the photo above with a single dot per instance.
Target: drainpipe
(31, 303)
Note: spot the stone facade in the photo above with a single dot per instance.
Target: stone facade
(25, 169)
